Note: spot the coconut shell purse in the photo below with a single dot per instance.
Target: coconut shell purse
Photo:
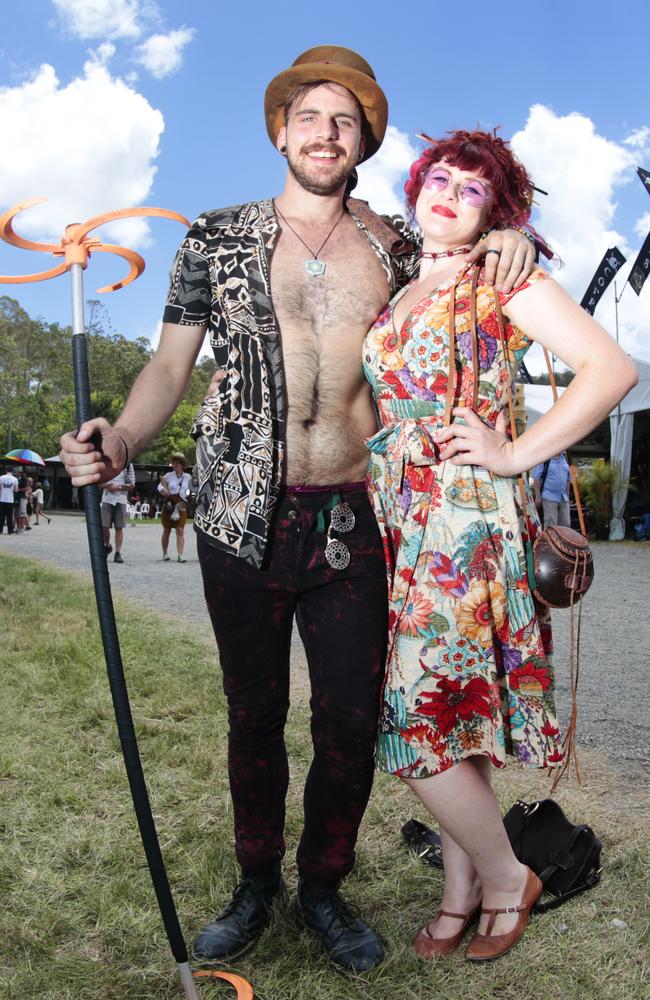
(563, 566)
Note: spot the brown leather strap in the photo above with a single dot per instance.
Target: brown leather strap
(474, 335)
(494, 912)
(572, 472)
(569, 747)
(451, 380)
(511, 406)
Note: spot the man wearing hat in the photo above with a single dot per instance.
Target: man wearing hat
(175, 488)
(288, 289)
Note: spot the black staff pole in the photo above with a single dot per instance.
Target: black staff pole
(113, 656)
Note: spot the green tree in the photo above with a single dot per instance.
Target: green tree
(37, 392)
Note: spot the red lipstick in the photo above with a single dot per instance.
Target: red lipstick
(443, 210)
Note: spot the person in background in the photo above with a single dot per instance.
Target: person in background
(37, 504)
(21, 497)
(551, 483)
(8, 490)
(29, 494)
(175, 488)
(114, 501)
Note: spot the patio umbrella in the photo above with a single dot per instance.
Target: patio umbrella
(25, 456)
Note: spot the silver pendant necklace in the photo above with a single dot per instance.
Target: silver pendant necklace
(314, 267)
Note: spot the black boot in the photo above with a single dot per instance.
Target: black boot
(350, 943)
(242, 921)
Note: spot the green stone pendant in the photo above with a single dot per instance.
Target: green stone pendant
(314, 268)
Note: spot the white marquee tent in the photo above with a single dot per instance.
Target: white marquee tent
(621, 424)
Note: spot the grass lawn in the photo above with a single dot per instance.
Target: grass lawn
(78, 918)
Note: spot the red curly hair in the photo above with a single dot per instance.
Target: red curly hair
(491, 157)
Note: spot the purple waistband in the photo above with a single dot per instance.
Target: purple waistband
(334, 488)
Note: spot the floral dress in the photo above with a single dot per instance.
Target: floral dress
(469, 669)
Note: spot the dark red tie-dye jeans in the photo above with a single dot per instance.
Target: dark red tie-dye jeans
(342, 620)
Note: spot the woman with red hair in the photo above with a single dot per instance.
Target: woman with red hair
(469, 677)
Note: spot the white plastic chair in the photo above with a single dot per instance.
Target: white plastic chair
(144, 510)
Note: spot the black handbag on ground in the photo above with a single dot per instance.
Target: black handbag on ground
(564, 856)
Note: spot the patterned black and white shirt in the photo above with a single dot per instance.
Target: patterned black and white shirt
(221, 278)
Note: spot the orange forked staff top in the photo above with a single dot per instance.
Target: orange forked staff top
(75, 246)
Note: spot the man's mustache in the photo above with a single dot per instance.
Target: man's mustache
(339, 150)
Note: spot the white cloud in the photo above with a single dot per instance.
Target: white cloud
(103, 54)
(113, 167)
(639, 138)
(642, 225)
(100, 18)
(386, 170)
(581, 170)
(162, 55)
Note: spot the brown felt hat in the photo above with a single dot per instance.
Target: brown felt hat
(178, 456)
(340, 65)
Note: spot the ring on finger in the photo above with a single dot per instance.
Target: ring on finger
(497, 252)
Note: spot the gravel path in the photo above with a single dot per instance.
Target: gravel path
(615, 640)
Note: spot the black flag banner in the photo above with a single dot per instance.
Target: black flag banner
(639, 272)
(607, 269)
(644, 176)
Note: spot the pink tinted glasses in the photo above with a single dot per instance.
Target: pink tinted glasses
(472, 192)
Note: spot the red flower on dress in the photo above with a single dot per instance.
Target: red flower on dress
(556, 757)
(549, 730)
(530, 679)
(393, 380)
(455, 701)
(423, 733)
(420, 477)
(418, 732)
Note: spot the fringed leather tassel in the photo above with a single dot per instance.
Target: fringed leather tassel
(569, 747)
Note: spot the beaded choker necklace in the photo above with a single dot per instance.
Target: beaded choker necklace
(436, 254)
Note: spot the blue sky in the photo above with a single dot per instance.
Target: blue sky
(109, 103)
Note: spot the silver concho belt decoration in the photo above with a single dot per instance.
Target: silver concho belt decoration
(342, 521)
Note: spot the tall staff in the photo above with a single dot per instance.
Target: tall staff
(76, 247)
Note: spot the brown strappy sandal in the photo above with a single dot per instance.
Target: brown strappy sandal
(484, 947)
(427, 947)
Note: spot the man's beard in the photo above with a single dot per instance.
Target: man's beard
(324, 186)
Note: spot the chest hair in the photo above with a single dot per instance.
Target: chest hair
(323, 320)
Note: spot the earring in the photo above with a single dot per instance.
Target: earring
(283, 150)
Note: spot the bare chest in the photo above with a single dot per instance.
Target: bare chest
(323, 320)
(348, 295)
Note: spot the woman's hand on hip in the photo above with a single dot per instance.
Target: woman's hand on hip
(474, 443)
